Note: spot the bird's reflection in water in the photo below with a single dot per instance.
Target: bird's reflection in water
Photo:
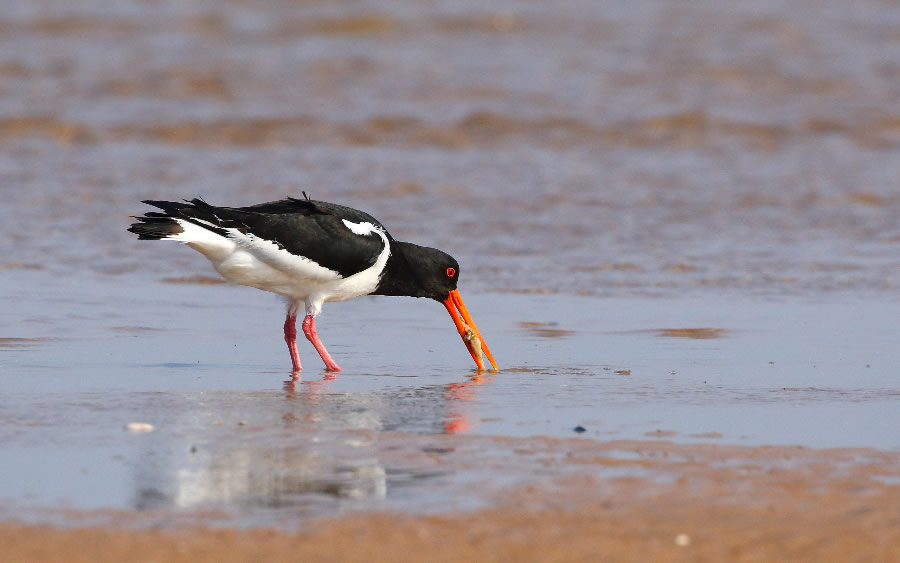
(434, 408)
(290, 385)
(450, 403)
(458, 394)
(331, 449)
(253, 476)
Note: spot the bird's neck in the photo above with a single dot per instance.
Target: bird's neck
(401, 274)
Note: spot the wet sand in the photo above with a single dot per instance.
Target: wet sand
(718, 504)
(677, 231)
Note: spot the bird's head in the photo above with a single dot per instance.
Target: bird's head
(437, 275)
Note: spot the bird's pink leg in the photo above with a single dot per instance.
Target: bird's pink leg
(309, 329)
(290, 337)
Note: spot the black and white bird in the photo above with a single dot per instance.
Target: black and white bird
(312, 252)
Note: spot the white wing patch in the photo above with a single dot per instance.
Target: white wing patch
(361, 229)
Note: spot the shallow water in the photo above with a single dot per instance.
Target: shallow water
(674, 223)
(206, 366)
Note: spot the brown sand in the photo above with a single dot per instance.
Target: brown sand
(725, 503)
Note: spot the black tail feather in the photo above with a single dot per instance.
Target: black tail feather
(155, 226)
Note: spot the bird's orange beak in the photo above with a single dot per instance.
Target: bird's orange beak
(467, 330)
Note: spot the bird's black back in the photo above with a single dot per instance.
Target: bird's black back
(308, 228)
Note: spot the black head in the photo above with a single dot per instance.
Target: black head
(438, 274)
(419, 271)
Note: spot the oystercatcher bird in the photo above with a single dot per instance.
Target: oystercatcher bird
(312, 252)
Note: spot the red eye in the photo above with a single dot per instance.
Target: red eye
(451, 272)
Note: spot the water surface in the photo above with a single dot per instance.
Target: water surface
(207, 367)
